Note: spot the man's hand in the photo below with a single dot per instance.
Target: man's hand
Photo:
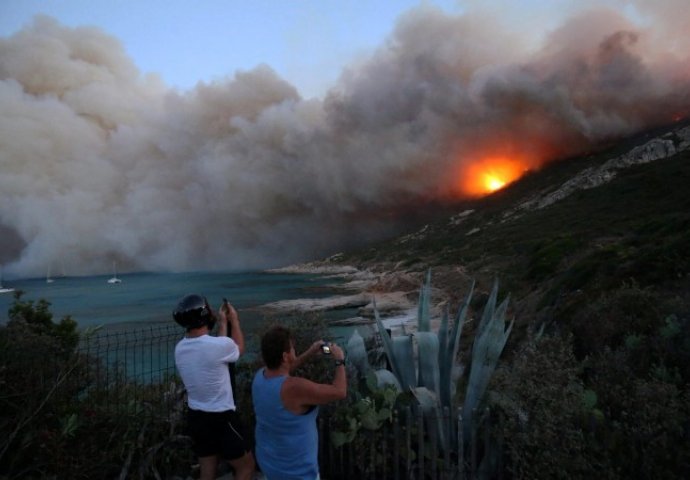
(337, 352)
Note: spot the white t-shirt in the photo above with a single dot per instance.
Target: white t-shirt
(202, 363)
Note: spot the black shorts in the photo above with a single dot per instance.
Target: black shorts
(217, 433)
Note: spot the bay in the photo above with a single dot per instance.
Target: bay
(144, 299)
(134, 318)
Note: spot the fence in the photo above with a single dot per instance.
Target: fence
(129, 366)
(136, 367)
(408, 448)
(143, 355)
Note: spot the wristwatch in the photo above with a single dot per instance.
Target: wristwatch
(339, 363)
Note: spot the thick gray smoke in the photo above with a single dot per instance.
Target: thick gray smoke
(99, 163)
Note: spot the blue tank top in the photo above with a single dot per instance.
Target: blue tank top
(287, 445)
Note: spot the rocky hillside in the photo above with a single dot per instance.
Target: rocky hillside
(558, 236)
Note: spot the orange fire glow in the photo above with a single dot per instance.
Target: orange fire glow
(490, 174)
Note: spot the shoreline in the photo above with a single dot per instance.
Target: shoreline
(394, 293)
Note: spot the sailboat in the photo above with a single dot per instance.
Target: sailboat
(114, 278)
(3, 289)
(48, 279)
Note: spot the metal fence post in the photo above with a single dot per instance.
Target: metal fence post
(420, 441)
(461, 446)
(396, 451)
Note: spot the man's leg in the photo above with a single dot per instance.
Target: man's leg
(208, 466)
(244, 466)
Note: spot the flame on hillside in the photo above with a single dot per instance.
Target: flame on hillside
(490, 174)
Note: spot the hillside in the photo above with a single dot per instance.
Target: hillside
(595, 252)
(633, 228)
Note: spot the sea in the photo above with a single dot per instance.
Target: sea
(133, 319)
(145, 299)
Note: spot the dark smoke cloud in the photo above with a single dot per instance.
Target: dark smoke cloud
(99, 162)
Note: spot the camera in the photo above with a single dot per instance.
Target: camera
(326, 348)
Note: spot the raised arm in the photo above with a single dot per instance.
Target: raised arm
(228, 315)
(309, 352)
(298, 394)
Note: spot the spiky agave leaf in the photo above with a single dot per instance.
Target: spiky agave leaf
(427, 356)
(385, 377)
(444, 366)
(423, 311)
(449, 382)
(489, 309)
(357, 353)
(428, 402)
(426, 399)
(486, 350)
(387, 344)
(404, 354)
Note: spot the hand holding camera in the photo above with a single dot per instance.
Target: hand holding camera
(330, 348)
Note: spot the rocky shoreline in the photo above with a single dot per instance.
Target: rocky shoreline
(394, 293)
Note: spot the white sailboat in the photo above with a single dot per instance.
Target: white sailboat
(114, 278)
(48, 279)
(4, 289)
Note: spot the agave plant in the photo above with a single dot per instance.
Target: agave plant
(432, 375)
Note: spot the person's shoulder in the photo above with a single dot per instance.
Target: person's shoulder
(258, 375)
(296, 383)
(222, 342)
(215, 339)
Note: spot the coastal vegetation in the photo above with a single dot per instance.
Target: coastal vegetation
(60, 420)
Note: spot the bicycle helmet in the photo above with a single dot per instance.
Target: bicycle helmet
(193, 311)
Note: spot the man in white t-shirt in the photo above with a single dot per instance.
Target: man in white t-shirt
(202, 362)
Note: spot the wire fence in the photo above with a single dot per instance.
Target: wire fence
(408, 447)
(141, 355)
(128, 367)
(135, 368)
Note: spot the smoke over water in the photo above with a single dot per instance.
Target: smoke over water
(100, 163)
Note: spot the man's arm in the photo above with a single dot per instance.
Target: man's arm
(222, 324)
(236, 331)
(299, 393)
(314, 348)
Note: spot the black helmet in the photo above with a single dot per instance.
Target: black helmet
(193, 311)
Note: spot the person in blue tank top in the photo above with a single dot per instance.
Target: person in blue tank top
(286, 407)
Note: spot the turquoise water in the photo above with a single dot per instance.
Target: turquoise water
(149, 298)
(130, 313)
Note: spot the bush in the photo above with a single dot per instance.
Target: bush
(37, 357)
(547, 257)
(645, 429)
(57, 422)
(539, 403)
(613, 316)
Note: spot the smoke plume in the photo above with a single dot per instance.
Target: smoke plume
(101, 163)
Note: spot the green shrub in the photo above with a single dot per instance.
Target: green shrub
(547, 257)
(540, 403)
(644, 432)
(613, 316)
(56, 421)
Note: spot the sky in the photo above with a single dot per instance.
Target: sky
(177, 135)
(307, 42)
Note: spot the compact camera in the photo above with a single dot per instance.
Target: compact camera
(326, 348)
